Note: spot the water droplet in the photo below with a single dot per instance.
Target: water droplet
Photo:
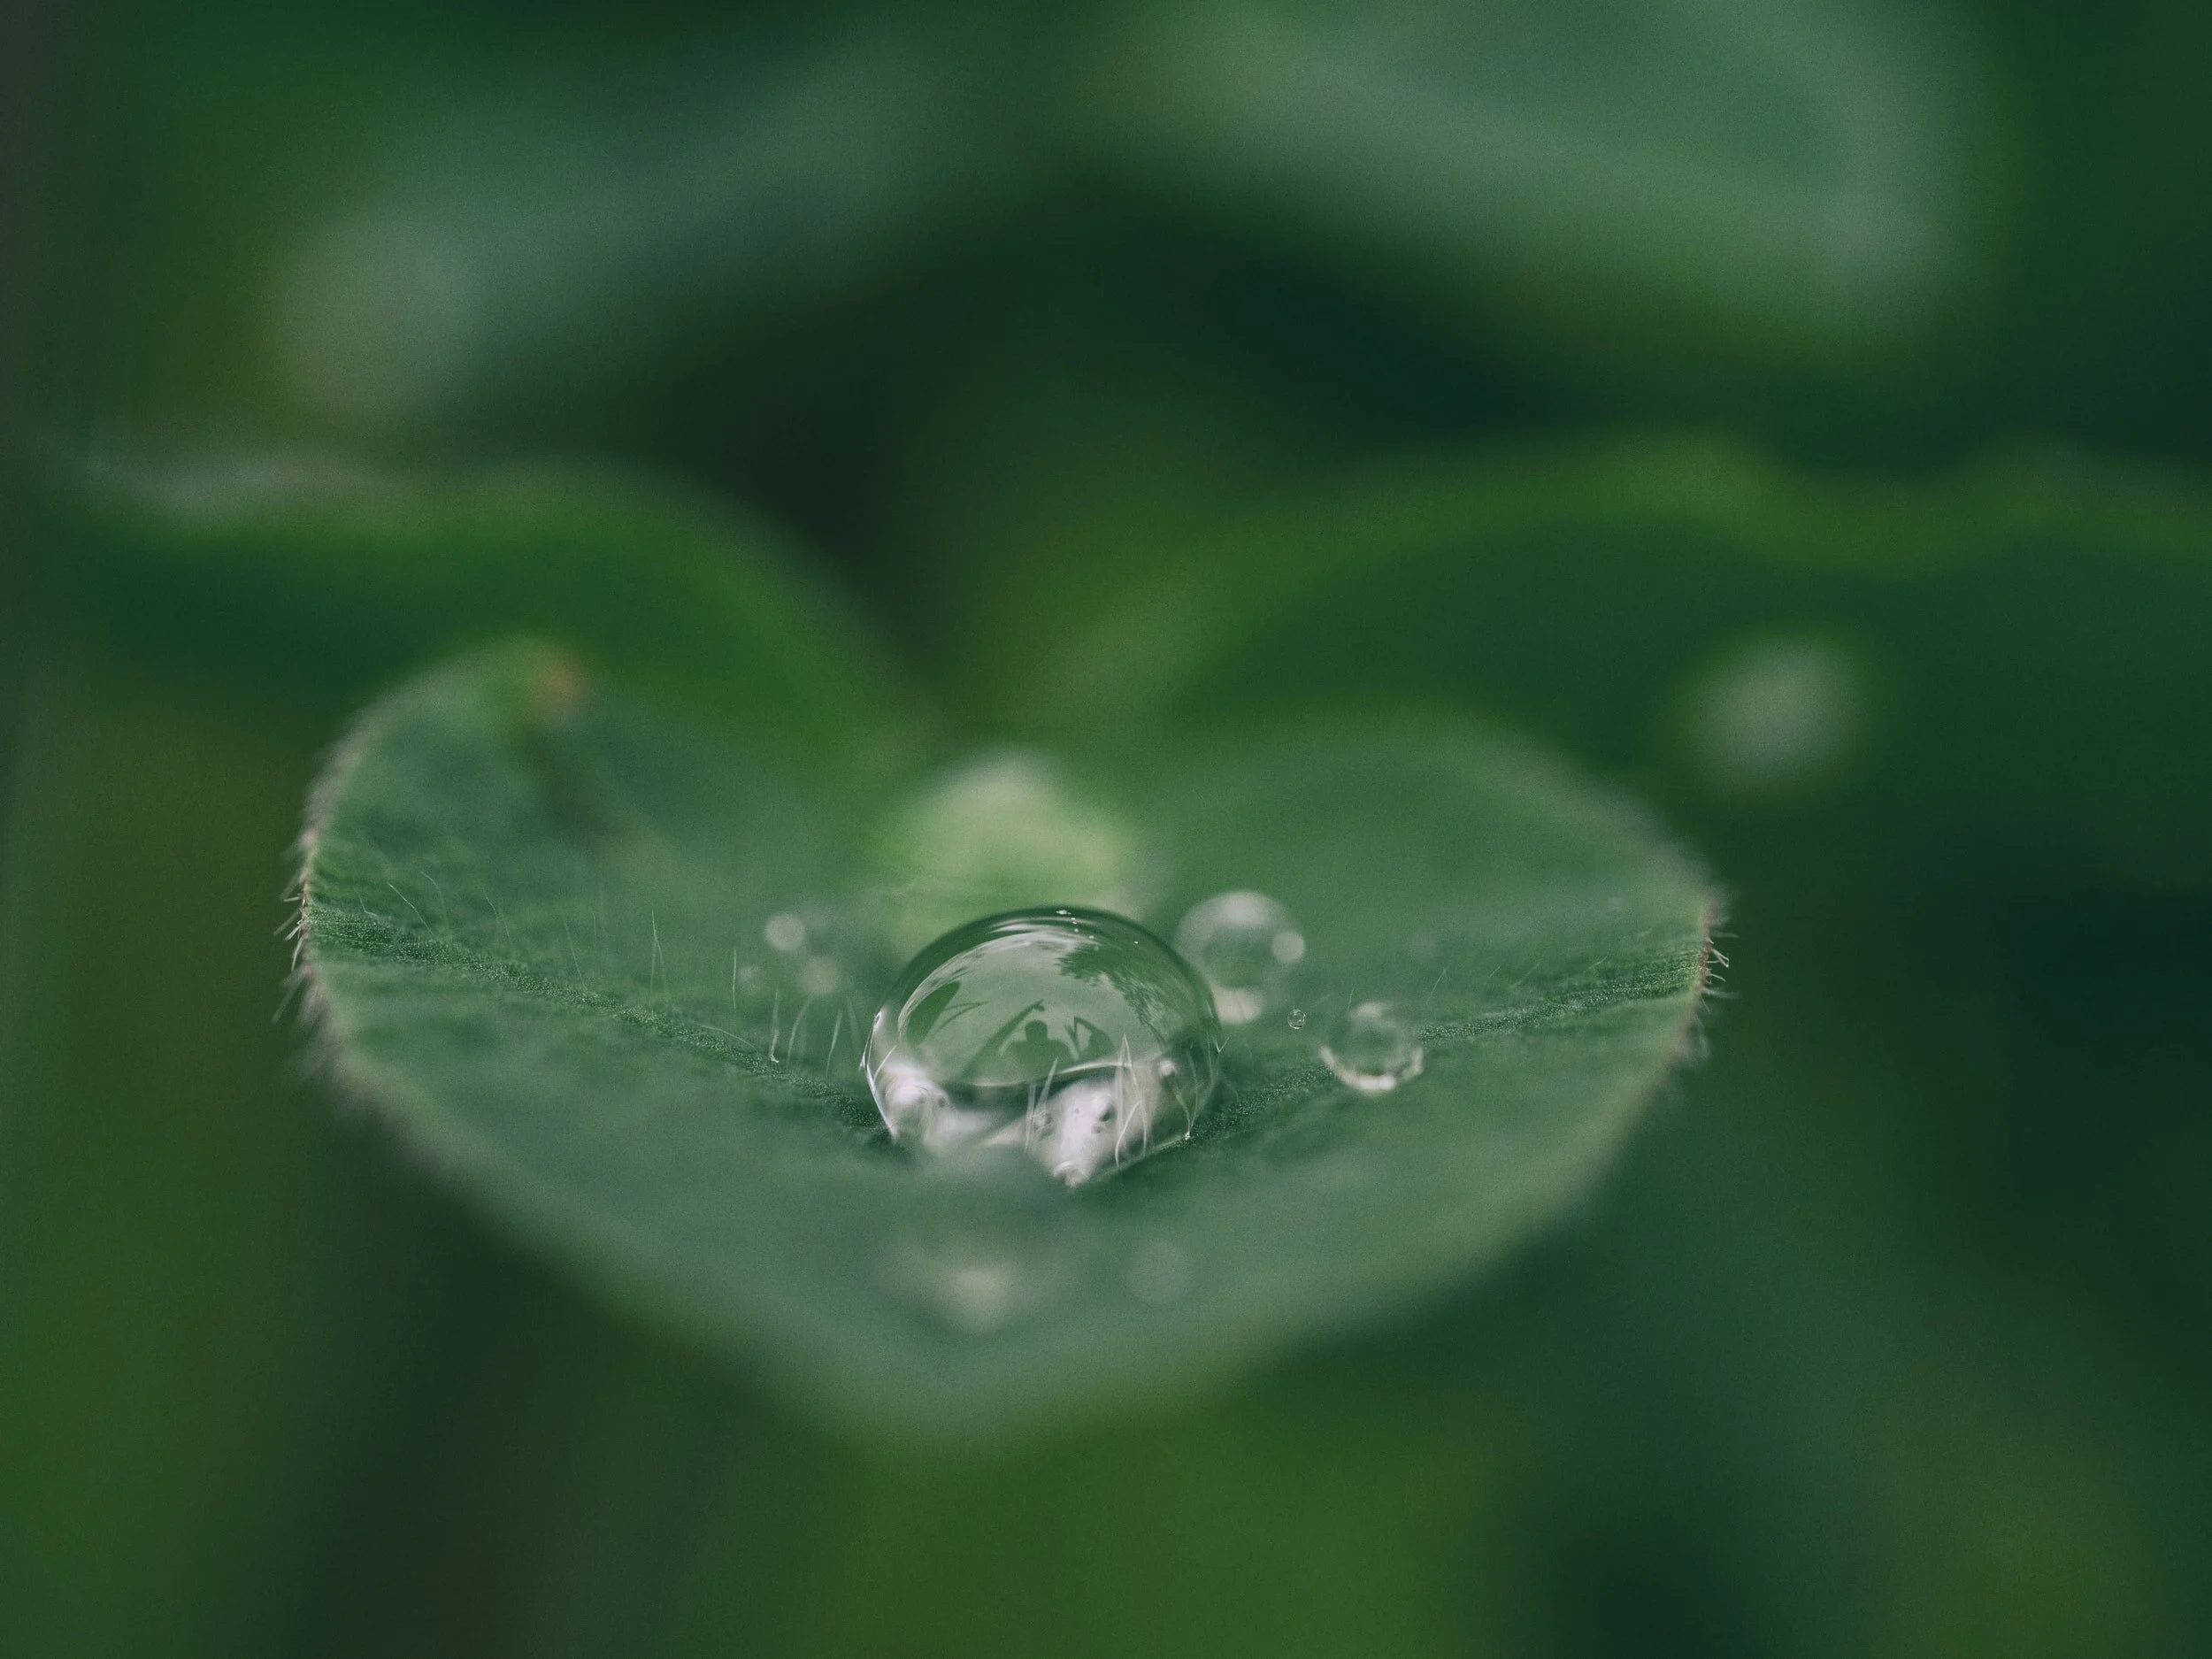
(1159, 1273)
(1373, 1049)
(1245, 943)
(820, 976)
(1298, 1019)
(786, 933)
(1074, 1036)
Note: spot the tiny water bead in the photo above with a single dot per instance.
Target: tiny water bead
(1373, 1048)
(1073, 1036)
(1246, 944)
(793, 999)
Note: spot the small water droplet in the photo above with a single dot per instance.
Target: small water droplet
(1298, 1019)
(1373, 1049)
(786, 933)
(1073, 1035)
(820, 976)
(1244, 943)
(1159, 1273)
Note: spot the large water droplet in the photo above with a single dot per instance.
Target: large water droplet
(1246, 944)
(1372, 1048)
(1074, 1036)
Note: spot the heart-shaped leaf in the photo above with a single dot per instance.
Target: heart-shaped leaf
(614, 977)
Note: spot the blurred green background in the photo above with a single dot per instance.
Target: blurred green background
(1795, 414)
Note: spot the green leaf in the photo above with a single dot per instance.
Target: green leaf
(329, 576)
(1895, 681)
(1790, 175)
(534, 925)
(613, 220)
(441, 229)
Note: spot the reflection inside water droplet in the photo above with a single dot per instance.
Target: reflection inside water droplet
(1245, 943)
(1073, 1036)
(1373, 1049)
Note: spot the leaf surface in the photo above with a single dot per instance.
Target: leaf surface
(536, 922)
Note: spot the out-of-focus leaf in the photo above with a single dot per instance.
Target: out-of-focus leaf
(330, 577)
(2006, 666)
(534, 924)
(417, 223)
(1793, 172)
(552, 234)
